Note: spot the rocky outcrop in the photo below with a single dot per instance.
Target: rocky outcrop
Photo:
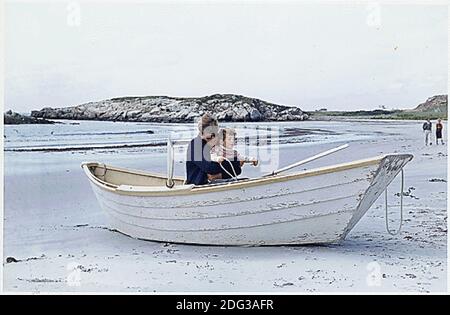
(12, 118)
(226, 107)
(435, 104)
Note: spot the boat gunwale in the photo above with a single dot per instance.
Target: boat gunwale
(230, 186)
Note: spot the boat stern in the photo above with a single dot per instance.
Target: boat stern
(388, 169)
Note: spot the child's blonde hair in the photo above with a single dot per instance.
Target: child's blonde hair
(224, 132)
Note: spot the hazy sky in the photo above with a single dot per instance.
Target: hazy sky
(313, 55)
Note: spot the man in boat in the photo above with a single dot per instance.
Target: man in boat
(199, 167)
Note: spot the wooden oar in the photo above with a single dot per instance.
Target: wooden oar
(312, 158)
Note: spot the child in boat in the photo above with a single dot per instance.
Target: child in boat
(224, 151)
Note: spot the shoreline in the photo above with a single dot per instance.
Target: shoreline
(362, 118)
(311, 118)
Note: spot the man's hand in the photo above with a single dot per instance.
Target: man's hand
(212, 177)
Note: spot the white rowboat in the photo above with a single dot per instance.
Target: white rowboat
(319, 205)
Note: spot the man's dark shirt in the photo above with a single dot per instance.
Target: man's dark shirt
(198, 162)
(427, 126)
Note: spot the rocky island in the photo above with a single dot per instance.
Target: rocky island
(226, 107)
(13, 118)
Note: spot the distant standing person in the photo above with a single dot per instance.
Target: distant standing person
(439, 128)
(427, 129)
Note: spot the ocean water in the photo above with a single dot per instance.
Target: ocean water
(89, 135)
(29, 149)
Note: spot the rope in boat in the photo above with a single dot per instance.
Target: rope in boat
(401, 208)
(234, 171)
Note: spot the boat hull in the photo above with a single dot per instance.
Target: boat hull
(317, 206)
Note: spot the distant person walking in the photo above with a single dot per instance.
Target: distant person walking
(439, 128)
(427, 129)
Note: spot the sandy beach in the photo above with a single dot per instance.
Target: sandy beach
(56, 237)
